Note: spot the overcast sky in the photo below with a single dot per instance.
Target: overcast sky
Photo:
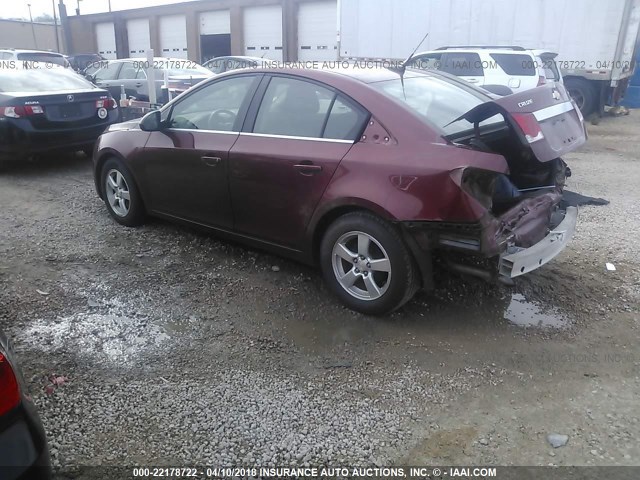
(18, 8)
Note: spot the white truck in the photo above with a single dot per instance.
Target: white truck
(595, 39)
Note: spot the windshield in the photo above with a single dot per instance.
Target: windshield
(44, 57)
(436, 100)
(35, 80)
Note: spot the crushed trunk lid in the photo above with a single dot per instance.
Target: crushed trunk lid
(545, 118)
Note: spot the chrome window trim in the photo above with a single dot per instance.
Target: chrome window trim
(291, 137)
(224, 132)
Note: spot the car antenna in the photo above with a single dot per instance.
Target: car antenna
(400, 70)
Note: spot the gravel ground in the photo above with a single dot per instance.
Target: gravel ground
(161, 345)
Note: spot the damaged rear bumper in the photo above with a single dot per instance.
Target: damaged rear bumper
(522, 239)
(516, 261)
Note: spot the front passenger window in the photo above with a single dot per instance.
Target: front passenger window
(215, 107)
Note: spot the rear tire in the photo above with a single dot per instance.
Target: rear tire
(120, 194)
(583, 93)
(367, 264)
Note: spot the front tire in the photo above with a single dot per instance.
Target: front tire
(367, 264)
(120, 194)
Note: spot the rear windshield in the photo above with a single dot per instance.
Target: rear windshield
(43, 57)
(437, 101)
(36, 80)
(515, 64)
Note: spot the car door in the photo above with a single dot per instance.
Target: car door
(133, 78)
(296, 135)
(518, 70)
(466, 65)
(107, 78)
(185, 165)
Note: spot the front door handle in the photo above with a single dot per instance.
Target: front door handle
(308, 168)
(211, 161)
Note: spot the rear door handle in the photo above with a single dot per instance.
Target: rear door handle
(308, 168)
(211, 161)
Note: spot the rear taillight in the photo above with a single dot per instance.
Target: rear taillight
(106, 103)
(542, 80)
(21, 111)
(529, 126)
(9, 390)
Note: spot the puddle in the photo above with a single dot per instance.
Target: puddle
(523, 313)
(421, 321)
(103, 337)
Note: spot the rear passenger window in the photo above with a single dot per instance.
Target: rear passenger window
(515, 64)
(298, 108)
(293, 108)
(462, 64)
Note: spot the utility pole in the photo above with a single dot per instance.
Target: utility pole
(78, 9)
(109, 6)
(33, 28)
(66, 32)
(55, 24)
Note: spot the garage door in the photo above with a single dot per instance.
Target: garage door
(215, 23)
(173, 36)
(318, 31)
(106, 40)
(215, 34)
(139, 38)
(263, 32)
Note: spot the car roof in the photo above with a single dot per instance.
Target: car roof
(239, 57)
(505, 50)
(36, 65)
(361, 73)
(24, 50)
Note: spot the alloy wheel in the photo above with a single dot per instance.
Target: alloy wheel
(118, 194)
(361, 265)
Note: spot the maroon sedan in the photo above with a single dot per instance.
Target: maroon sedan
(367, 173)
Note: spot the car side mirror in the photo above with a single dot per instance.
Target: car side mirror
(152, 121)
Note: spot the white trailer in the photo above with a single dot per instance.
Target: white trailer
(595, 40)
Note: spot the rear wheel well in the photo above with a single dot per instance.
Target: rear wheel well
(327, 220)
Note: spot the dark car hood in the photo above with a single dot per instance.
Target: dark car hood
(551, 106)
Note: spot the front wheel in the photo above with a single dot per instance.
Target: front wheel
(367, 265)
(121, 194)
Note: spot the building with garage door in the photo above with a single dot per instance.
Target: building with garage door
(284, 30)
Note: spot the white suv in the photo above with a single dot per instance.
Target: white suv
(14, 55)
(486, 66)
